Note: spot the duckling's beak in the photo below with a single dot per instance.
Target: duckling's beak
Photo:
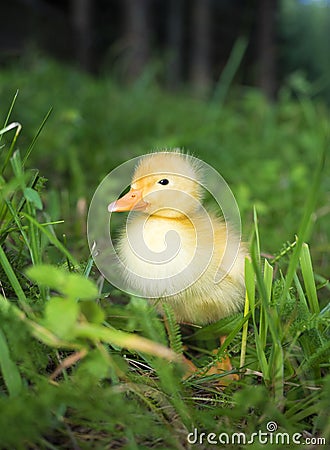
(131, 201)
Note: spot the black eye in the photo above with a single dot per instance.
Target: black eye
(164, 181)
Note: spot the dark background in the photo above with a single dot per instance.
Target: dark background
(184, 41)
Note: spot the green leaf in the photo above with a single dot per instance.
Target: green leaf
(94, 366)
(33, 197)
(48, 275)
(126, 340)
(61, 316)
(72, 285)
(79, 287)
(92, 311)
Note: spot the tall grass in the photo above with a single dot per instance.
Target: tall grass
(267, 153)
(84, 366)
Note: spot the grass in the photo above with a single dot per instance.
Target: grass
(266, 153)
(84, 366)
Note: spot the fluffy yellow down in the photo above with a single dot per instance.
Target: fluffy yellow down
(183, 243)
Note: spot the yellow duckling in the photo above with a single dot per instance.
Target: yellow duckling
(172, 248)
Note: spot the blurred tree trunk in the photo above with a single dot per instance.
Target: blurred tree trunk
(81, 22)
(174, 43)
(267, 47)
(201, 46)
(137, 36)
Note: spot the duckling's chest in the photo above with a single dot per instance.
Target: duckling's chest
(159, 243)
(162, 257)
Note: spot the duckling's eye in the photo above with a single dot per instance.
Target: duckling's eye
(164, 181)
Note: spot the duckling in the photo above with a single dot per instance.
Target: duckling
(172, 248)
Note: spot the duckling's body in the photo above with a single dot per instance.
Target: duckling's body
(173, 249)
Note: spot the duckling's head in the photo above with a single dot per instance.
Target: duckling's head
(165, 184)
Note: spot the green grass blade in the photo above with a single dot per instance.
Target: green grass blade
(256, 235)
(310, 339)
(36, 255)
(250, 284)
(16, 164)
(263, 324)
(233, 333)
(303, 312)
(14, 281)
(53, 239)
(230, 70)
(276, 368)
(9, 370)
(264, 366)
(305, 226)
(88, 267)
(19, 225)
(273, 368)
(18, 127)
(252, 272)
(30, 148)
(34, 237)
(268, 279)
(245, 327)
(307, 272)
(31, 183)
(9, 112)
